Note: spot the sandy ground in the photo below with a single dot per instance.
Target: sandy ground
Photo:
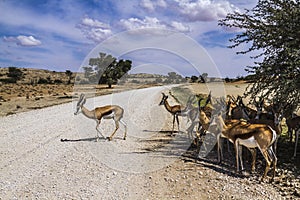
(17, 98)
(149, 164)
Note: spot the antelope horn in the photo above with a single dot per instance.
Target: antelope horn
(199, 102)
(80, 98)
(208, 99)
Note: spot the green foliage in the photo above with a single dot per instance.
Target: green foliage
(181, 94)
(44, 81)
(8, 80)
(173, 77)
(272, 29)
(106, 69)
(69, 74)
(227, 80)
(194, 79)
(14, 74)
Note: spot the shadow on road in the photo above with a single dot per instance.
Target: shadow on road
(93, 139)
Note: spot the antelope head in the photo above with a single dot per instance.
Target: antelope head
(164, 98)
(80, 103)
(232, 103)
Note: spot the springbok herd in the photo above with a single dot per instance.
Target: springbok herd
(227, 118)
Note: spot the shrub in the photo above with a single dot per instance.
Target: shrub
(43, 81)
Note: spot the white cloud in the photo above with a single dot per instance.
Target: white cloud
(94, 29)
(148, 5)
(135, 23)
(151, 5)
(205, 10)
(153, 23)
(28, 41)
(93, 23)
(180, 26)
(161, 3)
(23, 40)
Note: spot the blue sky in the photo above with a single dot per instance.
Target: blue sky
(60, 34)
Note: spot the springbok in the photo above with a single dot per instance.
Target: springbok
(274, 124)
(250, 136)
(260, 106)
(236, 110)
(201, 117)
(114, 112)
(175, 110)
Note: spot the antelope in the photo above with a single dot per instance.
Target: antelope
(251, 113)
(274, 124)
(235, 110)
(114, 112)
(174, 110)
(294, 124)
(249, 135)
(270, 110)
(201, 116)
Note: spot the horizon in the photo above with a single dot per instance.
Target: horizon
(132, 73)
(59, 35)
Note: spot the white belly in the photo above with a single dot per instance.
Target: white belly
(110, 116)
(250, 142)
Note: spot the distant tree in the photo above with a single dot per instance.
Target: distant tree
(227, 79)
(194, 79)
(173, 77)
(272, 29)
(14, 74)
(108, 69)
(203, 77)
(69, 74)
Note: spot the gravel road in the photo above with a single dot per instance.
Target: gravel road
(35, 164)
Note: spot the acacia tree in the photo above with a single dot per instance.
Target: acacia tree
(272, 28)
(107, 69)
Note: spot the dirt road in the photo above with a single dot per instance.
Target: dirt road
(35, 164)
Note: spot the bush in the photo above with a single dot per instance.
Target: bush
(14, 74)
(43, 81)
(58, 81)
(8, 80)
